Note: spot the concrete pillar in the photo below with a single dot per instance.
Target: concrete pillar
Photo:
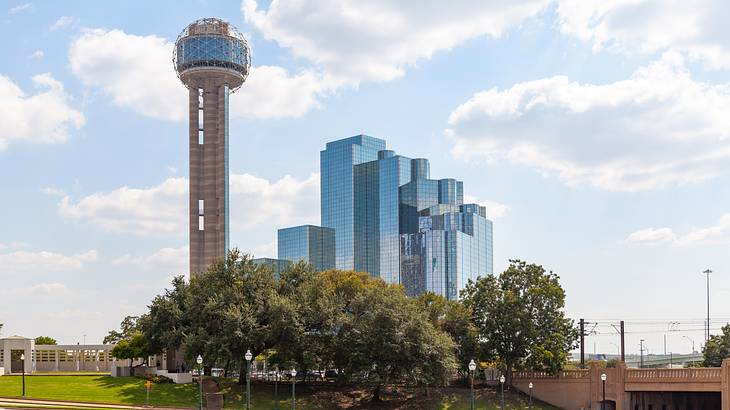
(622, 398)
(725, 385)
(56, 358)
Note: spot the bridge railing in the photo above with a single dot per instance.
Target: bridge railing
(697, 374)
(565, 374)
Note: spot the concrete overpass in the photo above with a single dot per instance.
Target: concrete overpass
(631, 389)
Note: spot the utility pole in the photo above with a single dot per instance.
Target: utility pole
(623, 352)
(641, 353)
(707, 332)
(582, 344)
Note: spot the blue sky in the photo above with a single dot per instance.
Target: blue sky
(597, 134)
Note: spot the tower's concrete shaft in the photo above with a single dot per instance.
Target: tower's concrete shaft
(208, 173)
(212, 59)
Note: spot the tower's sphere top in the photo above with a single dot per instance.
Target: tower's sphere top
(211, 48)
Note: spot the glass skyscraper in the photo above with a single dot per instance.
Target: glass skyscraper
(377, 226)
(382, 214)
(337, 164)
(309, 243)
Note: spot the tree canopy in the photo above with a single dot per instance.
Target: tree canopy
(717, 348)
(520, 319)
(367, 330)
(45, 340)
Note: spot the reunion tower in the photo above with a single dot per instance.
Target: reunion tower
(212, 59)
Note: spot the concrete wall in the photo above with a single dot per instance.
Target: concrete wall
(627, 388)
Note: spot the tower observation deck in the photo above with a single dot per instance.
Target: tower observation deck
(212, 59)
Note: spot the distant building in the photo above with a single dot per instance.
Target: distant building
(276, 265)
(383, 215)
(337, 173)
(309, 243)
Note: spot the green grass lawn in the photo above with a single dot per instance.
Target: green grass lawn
(262, 397)
(100, 389)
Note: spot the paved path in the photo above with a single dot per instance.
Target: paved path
(30, 403)
(213, 396)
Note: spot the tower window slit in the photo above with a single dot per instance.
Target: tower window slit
(201, 223)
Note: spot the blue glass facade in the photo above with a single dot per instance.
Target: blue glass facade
(453, 245)
(377, 220)
(212, 51)
(276, 265)
(337, 191)
(309, 243)
(382, 214)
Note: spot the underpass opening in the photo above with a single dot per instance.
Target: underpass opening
(675, 401)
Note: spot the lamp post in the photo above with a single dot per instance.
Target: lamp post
(501, 383)
(707, 333)
(691, 340)
(603, 380)
(276, 388)
(199, 360)
(530, 387)
(472, 367)
(248, 357)
(293, 388)
(22, 362)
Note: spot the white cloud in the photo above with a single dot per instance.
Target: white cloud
(717, 234)
(652, 236)
(377, 40)
(137, 71)
(495, 210)
(162, 209)
(63, 21)
(41, 289)
(44, 117)
(44, 261)
(13, 245)
(659, 127)
(698, 28)
(37, 54)
(51, 191)
(175, 259)
(21, 8)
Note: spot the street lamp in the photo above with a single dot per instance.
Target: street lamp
(22, 360)
(603, 380)
(276, 388)
(293, 388)
(248, 357)
(199, 360)
(691, 340)
(530, 387)
(501, 383)
(472, 367)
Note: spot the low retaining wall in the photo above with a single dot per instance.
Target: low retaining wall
(584, 389)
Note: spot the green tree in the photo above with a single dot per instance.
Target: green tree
(167, 321)
(45, 340)
(390, 339)
(127, 328)
(717, 348)
(519, 316)
(133, 347)
(229, 311)
(454, 318)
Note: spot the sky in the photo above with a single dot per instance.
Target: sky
(596, 132)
